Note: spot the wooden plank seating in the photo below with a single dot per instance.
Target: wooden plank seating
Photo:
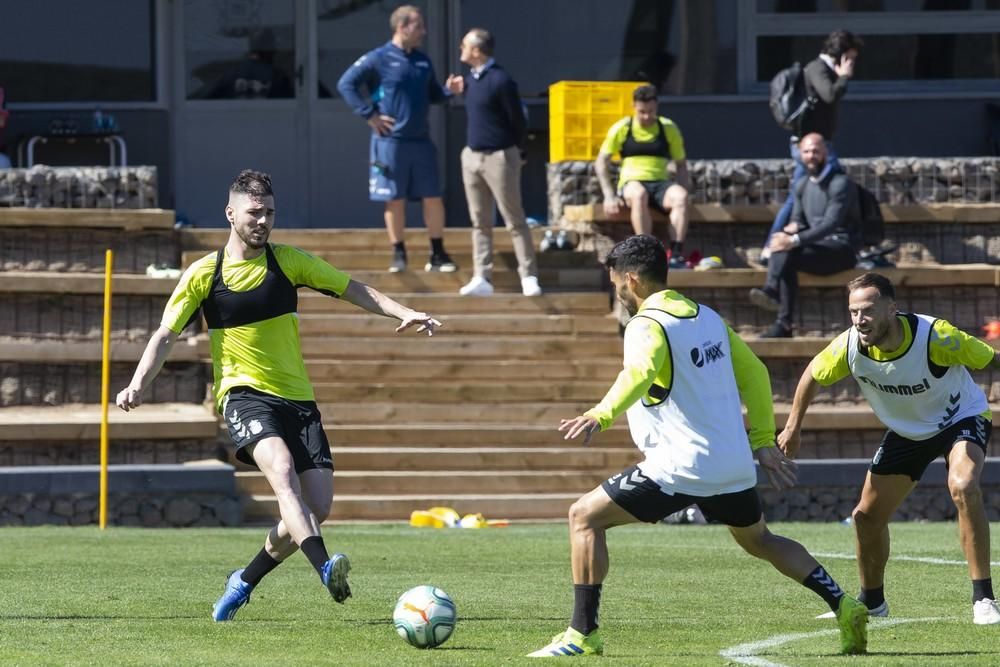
(129, 220)
(466, 418)
(75, 422)
(947, 233)
(988, 213)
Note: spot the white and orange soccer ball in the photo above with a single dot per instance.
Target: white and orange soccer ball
(424, 616)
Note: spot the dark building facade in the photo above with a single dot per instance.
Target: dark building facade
(203, 88)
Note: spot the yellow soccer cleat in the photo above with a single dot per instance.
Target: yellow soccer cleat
(571, 644)
(852, 617)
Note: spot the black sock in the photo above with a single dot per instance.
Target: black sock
(823, 585)
(586, 601)
(261, 564)
(315, 550)
(872, 597)
(437, 246)
(399, 248)
(982, 589)
(676, 248)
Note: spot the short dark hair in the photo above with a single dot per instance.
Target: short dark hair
(402, 16)
(840, 42)
(256, 184)
(482, 40)
(642, 254)
(876, 280)
(644, 93)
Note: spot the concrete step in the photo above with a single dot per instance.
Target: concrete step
(550, 303)
(155, 421)
(376, 483)
(500, 324)
(458, 392)
(379, 260)
(445, 370)
(398, 507)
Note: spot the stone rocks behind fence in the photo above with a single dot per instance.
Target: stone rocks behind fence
(79, 187)
(138, 495)
(894, 180)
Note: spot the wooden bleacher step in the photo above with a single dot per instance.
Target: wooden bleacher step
(154, 421)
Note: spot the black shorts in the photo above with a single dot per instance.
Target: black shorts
(897, 455)
(645, 500)
(656, 190)
(253, 415)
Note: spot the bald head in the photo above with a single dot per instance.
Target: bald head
(812, 152)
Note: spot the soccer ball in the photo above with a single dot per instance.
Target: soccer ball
(424, 616)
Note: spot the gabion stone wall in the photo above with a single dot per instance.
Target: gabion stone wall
(894, 180)
(817, 503)
(166, 510)
(79, 187)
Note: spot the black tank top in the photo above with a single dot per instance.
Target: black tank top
(275, 296)
(658, 147)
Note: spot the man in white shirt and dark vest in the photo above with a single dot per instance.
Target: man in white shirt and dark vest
(685, 376)
(913, 369)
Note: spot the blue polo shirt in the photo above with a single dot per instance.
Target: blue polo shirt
(399, 84)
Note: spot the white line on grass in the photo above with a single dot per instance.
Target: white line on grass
(913, 559)
(745, 654)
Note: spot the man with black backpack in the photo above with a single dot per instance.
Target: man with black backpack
(821, 238)
(805, 99)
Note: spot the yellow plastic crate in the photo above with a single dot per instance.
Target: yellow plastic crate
(580, 114)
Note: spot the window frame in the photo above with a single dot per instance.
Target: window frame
(159, 34)
(758, 24)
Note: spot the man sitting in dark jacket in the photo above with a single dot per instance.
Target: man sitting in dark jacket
(821, 238)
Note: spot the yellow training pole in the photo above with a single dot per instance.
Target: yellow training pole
(105, 389)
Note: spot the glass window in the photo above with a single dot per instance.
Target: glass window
(347, 30)
(685, 47)
(67, 51)
(239, 50)
(894, 57)
(837, 6)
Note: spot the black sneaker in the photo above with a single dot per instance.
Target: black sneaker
(398, 262)
(778, 330)
(440, 261)
(765, 298)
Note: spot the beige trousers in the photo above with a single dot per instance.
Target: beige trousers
(496, 177)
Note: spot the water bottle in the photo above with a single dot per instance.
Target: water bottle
(564, 241)
(98, 126)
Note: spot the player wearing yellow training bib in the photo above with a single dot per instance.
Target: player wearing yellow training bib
(248, 293)
(914, 372)
(647, 142)
(685, 376)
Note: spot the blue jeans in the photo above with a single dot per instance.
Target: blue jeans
(832, 164)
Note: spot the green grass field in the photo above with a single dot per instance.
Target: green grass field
(679, 595)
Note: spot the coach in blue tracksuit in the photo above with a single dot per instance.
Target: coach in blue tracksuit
(401, 86)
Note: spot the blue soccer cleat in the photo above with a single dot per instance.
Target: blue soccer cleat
(335, 577)
(236, 595)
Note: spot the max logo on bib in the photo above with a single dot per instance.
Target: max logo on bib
(706, 354)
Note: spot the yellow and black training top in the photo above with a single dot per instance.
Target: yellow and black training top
(250, 307)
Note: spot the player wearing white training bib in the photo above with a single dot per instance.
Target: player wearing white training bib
(913, 369)
(691, 431)
(684, 378)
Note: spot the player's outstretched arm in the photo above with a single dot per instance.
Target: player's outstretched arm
(369, 298)
(790, 437)
(156, 352)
